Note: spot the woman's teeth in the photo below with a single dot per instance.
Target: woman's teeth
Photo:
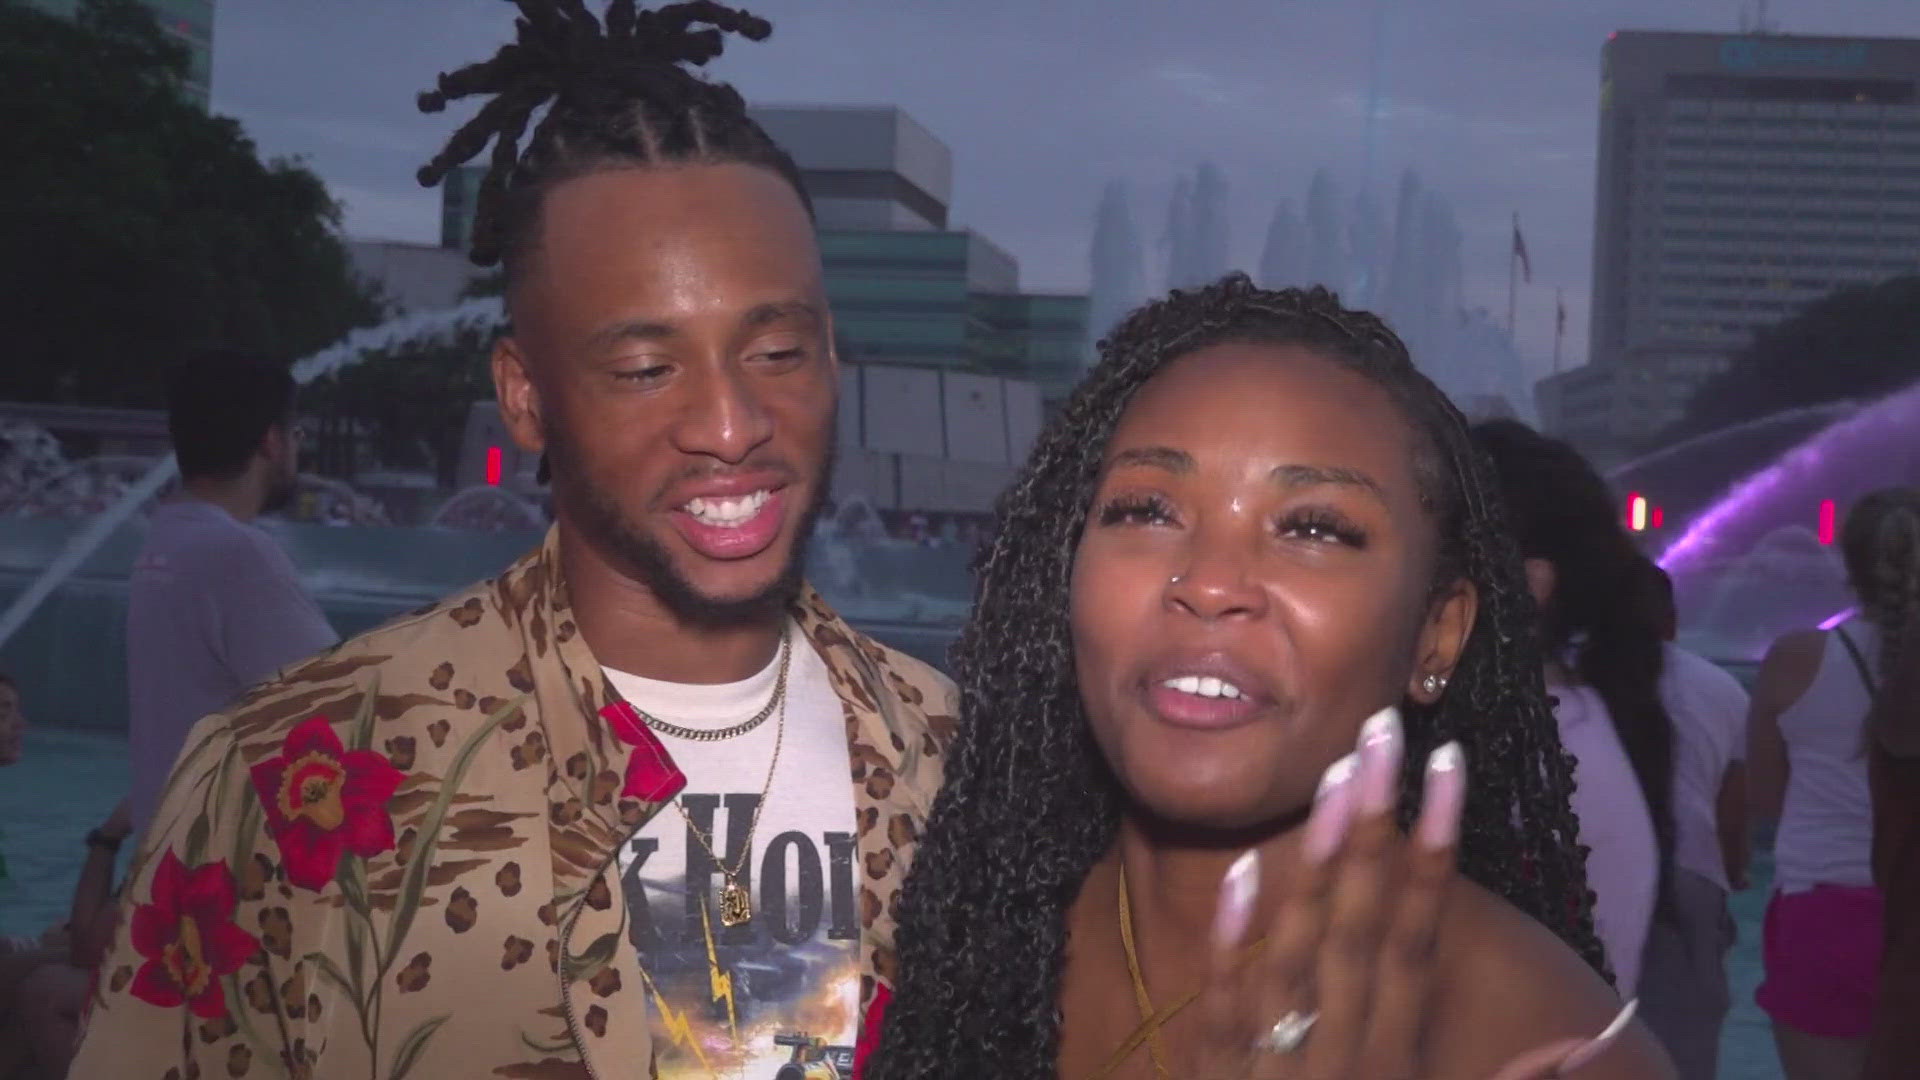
(1203, 687)
(727, 512)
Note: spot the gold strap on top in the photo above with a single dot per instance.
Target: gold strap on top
(1156, 1048)
(1148, 1033)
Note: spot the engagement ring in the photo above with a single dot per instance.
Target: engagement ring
(1288, 1034)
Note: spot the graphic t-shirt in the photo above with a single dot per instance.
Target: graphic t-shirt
(784, 986)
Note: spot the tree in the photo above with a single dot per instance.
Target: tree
(135, 227)
(404, 406)
(1859, 342)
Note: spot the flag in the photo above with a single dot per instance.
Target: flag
(1520, 251)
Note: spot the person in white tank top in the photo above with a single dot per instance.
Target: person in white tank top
(1808, 771)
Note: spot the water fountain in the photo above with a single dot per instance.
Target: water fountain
(327, 501)
(1326, 249)
(1752, 566)
(487, 508)
(1875, 446)
(1118, 277)
(1687, 476)
(1736, 607)
(485, 311)
(1283, 260)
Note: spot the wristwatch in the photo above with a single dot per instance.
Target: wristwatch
(96, 838)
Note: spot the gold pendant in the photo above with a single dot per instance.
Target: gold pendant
(735, 905)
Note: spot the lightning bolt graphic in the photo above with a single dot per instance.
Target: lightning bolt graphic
(718, 976)
(679, 1029)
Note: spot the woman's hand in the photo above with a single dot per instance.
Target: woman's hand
(1341, 988)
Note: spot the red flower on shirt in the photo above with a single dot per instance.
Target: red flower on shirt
(323, 800)
(189, 938)
(651, 774)
(870, 1031)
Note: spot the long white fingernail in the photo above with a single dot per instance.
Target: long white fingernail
(1380, 751)
(1238, 890)
(1332, 810)
(1446, 793)
(1586, 1052)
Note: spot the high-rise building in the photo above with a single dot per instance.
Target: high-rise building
(188, 21)
(1740, 178)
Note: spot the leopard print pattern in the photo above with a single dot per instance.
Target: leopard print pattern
(398, 859)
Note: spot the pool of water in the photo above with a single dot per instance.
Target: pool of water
(68, 782)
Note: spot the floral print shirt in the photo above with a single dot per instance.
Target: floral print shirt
(398, 859)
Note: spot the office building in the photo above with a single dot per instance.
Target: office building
(1740, 178)
(413, 277)
(188, 21)
(906, 288)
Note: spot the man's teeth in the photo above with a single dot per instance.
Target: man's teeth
(1204, 687)
(725, 512)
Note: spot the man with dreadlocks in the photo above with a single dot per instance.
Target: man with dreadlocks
(1159, 852)
(641, 805)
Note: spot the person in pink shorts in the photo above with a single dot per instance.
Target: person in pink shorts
(1807, 761)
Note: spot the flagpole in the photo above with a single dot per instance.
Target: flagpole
(1559, 325)
(1513, 275)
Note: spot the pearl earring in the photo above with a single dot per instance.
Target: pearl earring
(1433, 684)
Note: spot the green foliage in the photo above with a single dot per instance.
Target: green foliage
(406, 407)
(135, 227)
(1857, 343)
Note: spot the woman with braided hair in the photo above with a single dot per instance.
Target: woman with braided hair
(1882, 543)
(1817, 728)
(1253, 527)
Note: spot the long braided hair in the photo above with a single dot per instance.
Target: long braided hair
(1030, 805)
(620, 94)
(1881, 547)
(1562, 511)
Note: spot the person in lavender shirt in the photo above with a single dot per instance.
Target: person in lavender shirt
(214, 604)
(1605, 659)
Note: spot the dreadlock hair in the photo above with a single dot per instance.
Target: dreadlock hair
(621, 96)
(1030, 804)
(1881, 547)
(1563, 512)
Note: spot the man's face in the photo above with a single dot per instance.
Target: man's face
(13, 725)
(672, 356)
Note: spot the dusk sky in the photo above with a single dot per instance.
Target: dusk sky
(1493, 102)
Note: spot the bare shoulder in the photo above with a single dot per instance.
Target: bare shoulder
(1788, 668)
(1506, 984)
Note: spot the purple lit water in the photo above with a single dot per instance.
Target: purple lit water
(1751, 567)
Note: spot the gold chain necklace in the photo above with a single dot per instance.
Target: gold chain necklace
(717, 734)
(736, 904)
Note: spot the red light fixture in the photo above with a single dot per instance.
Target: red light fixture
(495, 463)
(1659, 517)
(1829, 517)
(1637, 512)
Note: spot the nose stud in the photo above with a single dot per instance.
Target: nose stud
(1174, 580)
(1433, 684)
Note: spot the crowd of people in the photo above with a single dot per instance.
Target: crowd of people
(1299, 728)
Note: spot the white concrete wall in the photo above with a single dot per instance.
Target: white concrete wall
(902, 409)
(976, 417)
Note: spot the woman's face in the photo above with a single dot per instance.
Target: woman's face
(1254, 580)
